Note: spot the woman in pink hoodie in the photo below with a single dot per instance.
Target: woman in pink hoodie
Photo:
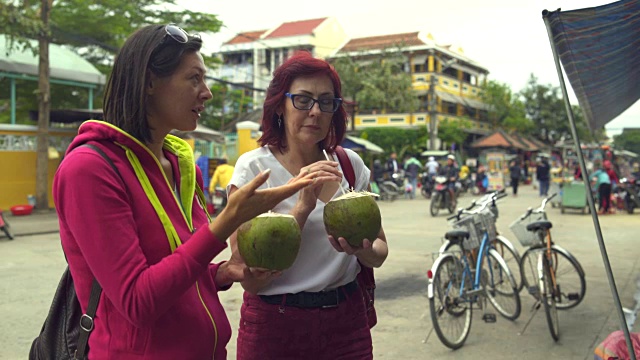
(141, 229)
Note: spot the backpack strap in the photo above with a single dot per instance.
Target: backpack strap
(347, 167)
(86, 321)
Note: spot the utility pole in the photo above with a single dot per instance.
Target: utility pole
(433, 122)
(44, 106)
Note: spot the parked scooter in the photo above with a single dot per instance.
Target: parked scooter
(630, 192)
(4, 226)
(441, 197)
(392, 188)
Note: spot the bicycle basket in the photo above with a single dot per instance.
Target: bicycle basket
(519, 229)
(470, 224)
(488, 223)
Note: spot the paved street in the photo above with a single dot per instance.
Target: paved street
(31, 265)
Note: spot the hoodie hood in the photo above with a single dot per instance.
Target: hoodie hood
(141, 157)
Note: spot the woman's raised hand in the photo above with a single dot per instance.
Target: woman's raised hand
(248, 202)
(321, 172)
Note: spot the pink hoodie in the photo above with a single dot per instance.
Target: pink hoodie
(155, 304)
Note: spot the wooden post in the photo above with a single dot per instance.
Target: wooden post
(44, 105)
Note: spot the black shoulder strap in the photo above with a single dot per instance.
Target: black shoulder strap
(86, 321)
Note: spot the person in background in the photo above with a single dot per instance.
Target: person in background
(432, 166)
(220, 179)
(542, 174)
(602, 184)
(514, 171)
(412, 167)
(315, 308)
(392, 164)
(138, 226)
(481, 179)
(613, 176)
(450, 171)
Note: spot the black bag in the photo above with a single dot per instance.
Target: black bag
(62, 333)
(65, 332)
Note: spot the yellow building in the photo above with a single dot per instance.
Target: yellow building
(446, 81)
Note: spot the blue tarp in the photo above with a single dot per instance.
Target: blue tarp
(600, 52)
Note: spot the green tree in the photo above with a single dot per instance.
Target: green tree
(378, 82)
(452, 131)
(96, 30)
(507, 109)
(225, 106)
(400, 141)
(629, 140)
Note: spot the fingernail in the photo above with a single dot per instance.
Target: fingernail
(266, 172)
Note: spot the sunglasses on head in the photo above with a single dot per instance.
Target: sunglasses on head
(174, 32)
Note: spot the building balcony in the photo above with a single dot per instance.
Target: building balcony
(237, 73)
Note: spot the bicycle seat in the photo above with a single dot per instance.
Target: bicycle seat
(539, 225)
(456, 234)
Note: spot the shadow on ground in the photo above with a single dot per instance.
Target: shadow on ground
(401, 286)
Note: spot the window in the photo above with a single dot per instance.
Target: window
(369, 121)
(419, 68)
(396, 120)
(455, 85)
(423, 102)
(420, 78)
(451, 72)
(466, 77)
(484, 115)
(449, 108)
(420, 118)
(470, 111)
(445, 82)
(465, 88)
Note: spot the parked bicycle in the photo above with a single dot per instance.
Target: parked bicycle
(458, 282)
(551, 274)
(500, 243)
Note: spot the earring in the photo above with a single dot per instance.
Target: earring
(279, 121)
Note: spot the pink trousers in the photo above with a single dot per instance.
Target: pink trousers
(283, 332)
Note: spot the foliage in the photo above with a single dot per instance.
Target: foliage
(452, 131)
(629, 140)
(400, 141)
(379, 82)
(226, 104)
(545, 107)
(507, 109)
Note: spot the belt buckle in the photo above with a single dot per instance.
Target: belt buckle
(335, 291)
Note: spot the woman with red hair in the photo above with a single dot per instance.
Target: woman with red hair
(314, 309)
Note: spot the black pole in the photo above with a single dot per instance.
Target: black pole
(590, 200)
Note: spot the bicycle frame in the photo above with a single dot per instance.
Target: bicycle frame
(485, 246)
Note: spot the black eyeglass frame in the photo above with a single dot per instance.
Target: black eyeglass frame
(336, 102)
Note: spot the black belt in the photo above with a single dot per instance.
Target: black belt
(322, 299)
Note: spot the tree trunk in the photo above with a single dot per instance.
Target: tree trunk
(42, 161)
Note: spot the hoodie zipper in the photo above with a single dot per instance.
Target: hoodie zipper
(174, 239)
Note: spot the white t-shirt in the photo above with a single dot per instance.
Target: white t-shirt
(432, 167)
(318, 265)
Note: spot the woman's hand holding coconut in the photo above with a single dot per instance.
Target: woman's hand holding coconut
(323, 172)
(245, 204)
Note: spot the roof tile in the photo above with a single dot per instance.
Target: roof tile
(383, 41)
(303, 27)
(245, 37)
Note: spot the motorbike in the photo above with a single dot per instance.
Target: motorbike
(441, 197)
(219, 200)
(5, 227)
(427, 182)
(630, 192)
(391, 188)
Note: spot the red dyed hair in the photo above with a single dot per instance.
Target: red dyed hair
(301, 64)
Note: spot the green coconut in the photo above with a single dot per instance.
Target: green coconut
(269, 241)
(354, 216)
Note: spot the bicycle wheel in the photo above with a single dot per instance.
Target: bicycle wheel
(510, 255)
(569, 275)
(450, 313)
(499, 286)
(548, 296)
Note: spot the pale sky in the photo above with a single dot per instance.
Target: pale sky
(505, 36)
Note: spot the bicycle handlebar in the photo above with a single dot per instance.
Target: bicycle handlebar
(491, 199)
(540, 209)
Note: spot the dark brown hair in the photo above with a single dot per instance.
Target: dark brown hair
(125, 98)
(301, 64)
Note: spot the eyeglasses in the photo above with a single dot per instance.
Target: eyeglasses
(304, 102)
(174, 32)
